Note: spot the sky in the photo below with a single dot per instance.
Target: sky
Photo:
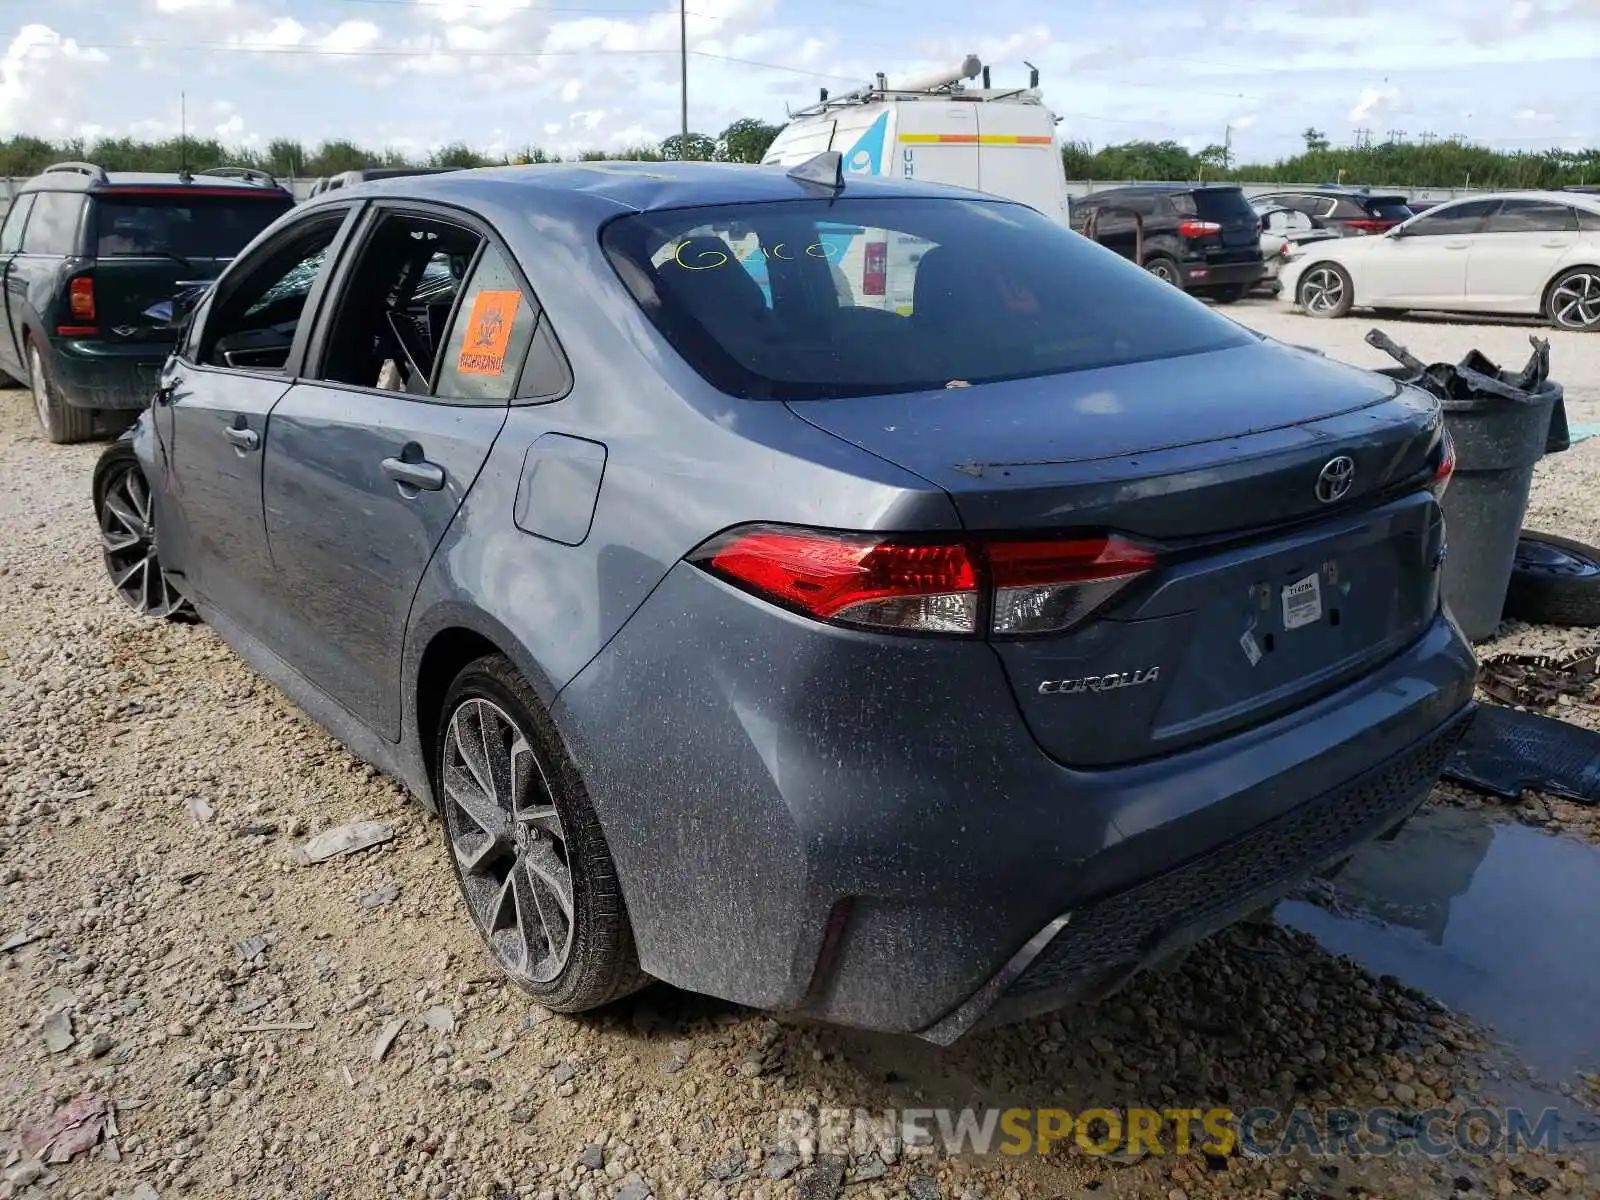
(565, 75)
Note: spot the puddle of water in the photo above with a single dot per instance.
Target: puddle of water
(1496, 919)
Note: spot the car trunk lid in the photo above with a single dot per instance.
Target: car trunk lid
(1268, 587)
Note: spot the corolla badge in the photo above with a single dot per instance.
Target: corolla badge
(1099, 683)
(1335, 480)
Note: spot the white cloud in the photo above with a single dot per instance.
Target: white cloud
(41, 76)
(1374, 102)
(349, 36)
(187, 6)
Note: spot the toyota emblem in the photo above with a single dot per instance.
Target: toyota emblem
(1335, 479)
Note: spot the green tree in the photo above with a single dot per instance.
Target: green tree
(1315, 139)
(746, 140)
(697, 147)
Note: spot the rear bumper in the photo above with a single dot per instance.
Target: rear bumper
(859, 828)
(93, 374)
(1201, 274)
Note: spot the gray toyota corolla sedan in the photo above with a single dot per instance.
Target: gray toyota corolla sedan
(850, 598)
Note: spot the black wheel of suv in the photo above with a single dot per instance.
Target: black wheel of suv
(1164, 269)
(1573, 301)
(1554, 581)
(60, 422)
(1325, 290)
(526, 846)
(128, 537)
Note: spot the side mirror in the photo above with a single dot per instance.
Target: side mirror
(1397, 231)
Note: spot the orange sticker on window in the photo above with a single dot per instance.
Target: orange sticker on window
(488, 333)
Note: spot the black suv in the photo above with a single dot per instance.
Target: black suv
(1205, 239)
(1349, 212)
(94, 264)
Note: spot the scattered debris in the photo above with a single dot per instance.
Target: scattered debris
(1540, 680)
(386, 1039)
(344, 839)
(439, 1019)
(1505, 751)
(781, 1166)
(252, 947)
(259, 829)
(199, 809)
(821, 1182)
(18, 940)
(593, 1157)
(72, 1129)
(378, 897)
(57, 1031)
(277, 1027)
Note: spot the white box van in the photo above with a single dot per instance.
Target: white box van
(996, 140)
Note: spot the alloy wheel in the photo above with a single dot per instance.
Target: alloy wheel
(1575, 303)
(40, 387)
(128, 541)
(510, 848)
(1322, 290)
(1163, 272)
(1546, 559)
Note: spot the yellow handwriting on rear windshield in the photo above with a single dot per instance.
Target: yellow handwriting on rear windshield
(710, 258)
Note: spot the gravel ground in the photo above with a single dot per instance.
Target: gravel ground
(230, 1003)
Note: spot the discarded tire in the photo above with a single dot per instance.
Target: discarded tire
(1554, 581)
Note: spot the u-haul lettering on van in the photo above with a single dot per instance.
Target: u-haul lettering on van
(908, 163)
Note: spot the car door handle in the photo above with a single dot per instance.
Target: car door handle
(244, 439)
(1461, 245)
(1555, 243)
(427, 476)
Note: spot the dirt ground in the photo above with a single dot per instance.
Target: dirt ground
(161, 948)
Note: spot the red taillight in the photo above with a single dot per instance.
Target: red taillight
(1446, 468)
(1371, 226)
(81, 298)
(919, 586)
(1196, 229)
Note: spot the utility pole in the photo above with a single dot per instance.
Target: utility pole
(1227, 147)
(1396, 136)
(683, 76)
(1427, 137)
(1363, 139)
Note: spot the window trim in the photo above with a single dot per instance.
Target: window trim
(450, 214)
(227, 283)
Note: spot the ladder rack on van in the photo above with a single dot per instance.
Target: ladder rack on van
(936, 85)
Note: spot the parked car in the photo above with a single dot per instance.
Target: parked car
(1205, 239)
(92, 261)
(1282, 229)
(368, 175)
(1349, 212)
(1521, 253)
(898, 670)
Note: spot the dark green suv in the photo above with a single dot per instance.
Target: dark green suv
(94, 265)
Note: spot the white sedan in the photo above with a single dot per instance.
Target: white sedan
(1530, 253)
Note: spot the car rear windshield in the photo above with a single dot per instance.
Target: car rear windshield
(184, 226)
(812, 299)
(1225, 206)
(1388, 208)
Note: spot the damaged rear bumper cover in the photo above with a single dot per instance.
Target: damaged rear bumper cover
(1088, 953)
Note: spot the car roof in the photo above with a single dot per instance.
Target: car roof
(608, 187)
(1580, 199)
(1168, 187)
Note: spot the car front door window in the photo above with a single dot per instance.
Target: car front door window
(1454, 220)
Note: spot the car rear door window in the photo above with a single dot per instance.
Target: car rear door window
(16, 219)
(494, 324)
(53, 224)
(1532, 216)
(1453, 220)
(1588, 221)
(186, 227)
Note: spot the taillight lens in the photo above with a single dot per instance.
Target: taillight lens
(1195, 229)
(1446, 466)
(80, 298)
(919, 586)
(1368, 226)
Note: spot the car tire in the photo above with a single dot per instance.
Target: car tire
(1165, 268)
(1231, 294)
(1325, 290)
(532, 866)
(60, 422)
(128, 542)
(1554, 581)
(1573, 301)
